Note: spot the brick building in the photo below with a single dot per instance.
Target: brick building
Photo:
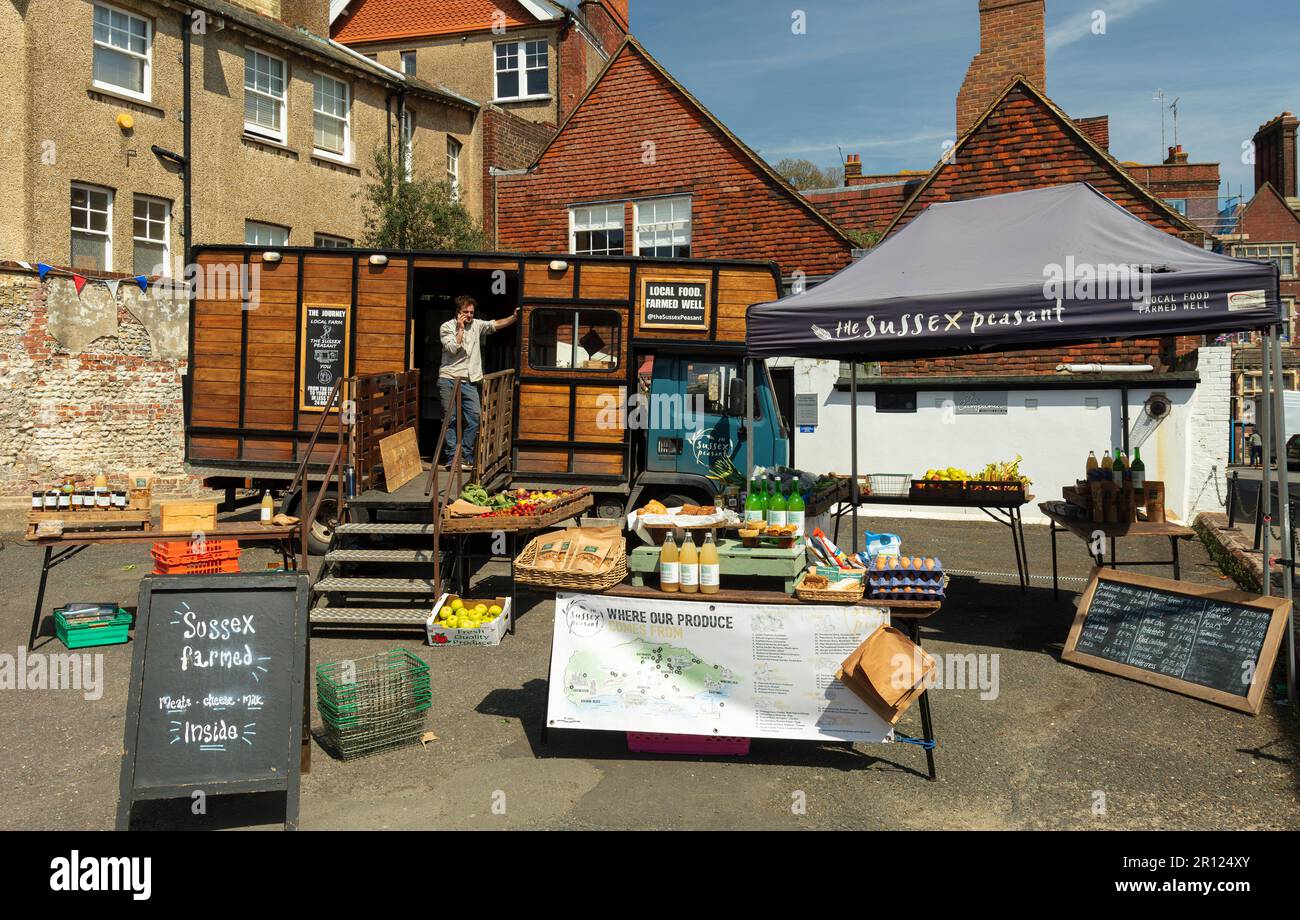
(530, 61)
(641, 167)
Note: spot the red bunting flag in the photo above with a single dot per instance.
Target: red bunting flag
(80, 282)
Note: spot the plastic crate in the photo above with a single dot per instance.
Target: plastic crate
(657, 743)
(207, 567)
(88, 632)
(373, 704)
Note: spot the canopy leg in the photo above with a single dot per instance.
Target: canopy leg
(1284, 509)
(853, 452)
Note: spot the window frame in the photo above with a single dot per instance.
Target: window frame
(737, 366)
(335, 242)
(402, 58)
(166, 240)
(1247, 251)
(521, 70)
(248, 221)
(576, 312)
(323, 153)
(454, 149)
(574, 231)
(668, 199)
(106, 234)
(253, 129)
(147, 80)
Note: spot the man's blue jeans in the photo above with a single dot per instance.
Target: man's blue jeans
(470, 409)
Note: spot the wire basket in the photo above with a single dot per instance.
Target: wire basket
(895, 485)
(373, 704)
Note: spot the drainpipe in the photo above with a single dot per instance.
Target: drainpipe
(187, 115)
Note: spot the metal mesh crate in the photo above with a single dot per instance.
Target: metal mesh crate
(373, 704)
(894, 485)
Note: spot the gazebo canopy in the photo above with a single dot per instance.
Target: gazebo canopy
(1023, 270)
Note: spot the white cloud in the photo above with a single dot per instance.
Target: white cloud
(1079, 26)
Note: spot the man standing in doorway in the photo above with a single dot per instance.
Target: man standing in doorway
(462, 358)
(1256, 442)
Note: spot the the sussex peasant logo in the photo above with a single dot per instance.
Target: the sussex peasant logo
(583, 620)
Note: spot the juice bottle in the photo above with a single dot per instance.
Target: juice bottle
(669, 573)
(710, 570)
(1092, 467)
(794, 513)
(1107, 463)
(777, 506)
(755, 503)
(689, 567)
(268, 508)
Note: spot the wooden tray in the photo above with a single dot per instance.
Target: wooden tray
(74, 521)
(1014, 489)
(938, 488)
(570, 506)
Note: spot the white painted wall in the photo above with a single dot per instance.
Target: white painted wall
(1186, 450)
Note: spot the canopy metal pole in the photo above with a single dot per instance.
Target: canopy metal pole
(853, 451)
(749, 425)
(1284, 508)
(1266, 476)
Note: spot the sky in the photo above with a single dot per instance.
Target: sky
(880, 77)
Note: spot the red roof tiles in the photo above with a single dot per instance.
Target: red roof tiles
(380, 20)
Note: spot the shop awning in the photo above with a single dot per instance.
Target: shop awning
(1023, 270)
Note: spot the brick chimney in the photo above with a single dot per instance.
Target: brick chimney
(609, 20)
(1013, 40)
(853, 169)
(1275, 155)
(1177, 156)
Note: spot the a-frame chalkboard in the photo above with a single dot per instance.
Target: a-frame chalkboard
(217, 686)
(1213, 644)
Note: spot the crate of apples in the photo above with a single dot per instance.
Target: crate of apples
(460, 622)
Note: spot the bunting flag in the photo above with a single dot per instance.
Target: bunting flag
(79, 281)
(27, 266)
(111, 284)
(42, 269)
(143, 281)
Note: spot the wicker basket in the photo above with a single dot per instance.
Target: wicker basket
(526, 572)
(827, 595)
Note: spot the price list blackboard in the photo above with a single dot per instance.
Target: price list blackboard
(217, 685)
(1205, 642)
(324, 357)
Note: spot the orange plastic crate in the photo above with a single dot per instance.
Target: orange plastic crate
(179, 558)
(208, 567)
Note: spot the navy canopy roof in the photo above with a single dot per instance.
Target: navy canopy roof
(1023, 270)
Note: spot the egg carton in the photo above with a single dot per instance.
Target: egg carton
(934, 592)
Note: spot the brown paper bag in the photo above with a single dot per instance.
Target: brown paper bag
(888, 672)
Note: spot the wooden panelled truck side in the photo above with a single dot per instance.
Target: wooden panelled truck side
(594, 330)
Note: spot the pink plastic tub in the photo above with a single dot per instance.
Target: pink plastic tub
(654, 743)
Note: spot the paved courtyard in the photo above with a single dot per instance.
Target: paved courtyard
(1059, 746)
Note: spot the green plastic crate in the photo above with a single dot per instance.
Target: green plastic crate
(89, 632)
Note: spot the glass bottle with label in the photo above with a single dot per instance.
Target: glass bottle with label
(710, 569)
(1117, 468)
(669, 577)
(1092, 467)
(755, 503)
(688, 566)
(794, 513)
(1139, 469)
(777, 506)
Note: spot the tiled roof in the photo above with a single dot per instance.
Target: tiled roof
(863, 207)
(380, 20)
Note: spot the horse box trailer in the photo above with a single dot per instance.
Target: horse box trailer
(272, 331)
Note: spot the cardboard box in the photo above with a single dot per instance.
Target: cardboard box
(488, 634)
(187, 517)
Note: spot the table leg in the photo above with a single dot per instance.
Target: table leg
(40, 597)
(1178, 572)
(1114, 560)
(1056, 588)
(514, 591)
(927, 721)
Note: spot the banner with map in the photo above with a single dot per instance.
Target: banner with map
(694, 668)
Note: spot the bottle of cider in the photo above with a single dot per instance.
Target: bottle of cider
(1139, 469)
(755, 503)
(1092, 468)
(689, 566)
(669, 574)
(710, 569)
(777, 506)
(794, 513)
(1117, 468)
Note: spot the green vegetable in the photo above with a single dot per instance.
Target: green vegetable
(475, 494)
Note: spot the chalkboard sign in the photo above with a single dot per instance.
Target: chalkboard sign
(1213, 644)
(667, 304)
(217, 684)
(323, 358)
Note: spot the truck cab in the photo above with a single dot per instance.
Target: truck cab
(692, 410)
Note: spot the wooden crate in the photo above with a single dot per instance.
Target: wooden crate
(179, 517)
(570, 507)
(74, 521)
(735, 561)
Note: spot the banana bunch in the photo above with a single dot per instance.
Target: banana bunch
(1004, 471)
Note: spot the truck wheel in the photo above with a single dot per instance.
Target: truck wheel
(321, 531)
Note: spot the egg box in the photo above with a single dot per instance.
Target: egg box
(488, 634)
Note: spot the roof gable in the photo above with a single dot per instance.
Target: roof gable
(1024, 141)
(605, 86)
(1269, 205)
(382, 20)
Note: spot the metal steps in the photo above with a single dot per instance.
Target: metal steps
(336, 585)
(396, 617)
(422, 556)
(387, 530)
